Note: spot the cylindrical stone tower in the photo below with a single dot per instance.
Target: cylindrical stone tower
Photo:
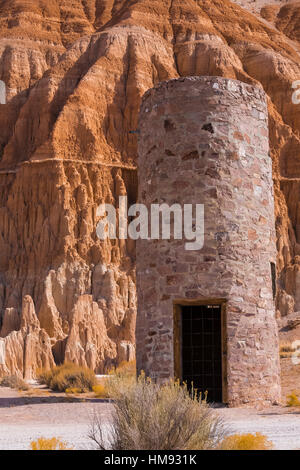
(207, 316)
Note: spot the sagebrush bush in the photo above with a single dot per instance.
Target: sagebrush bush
(120, 379)
(73, 390)
(246, 442)
(68, 376)
(101, 391)
(117, 380)
(286, 346)
(287, 349)
(151, 417)
(293, 400)
(49, 444)
(124, 369)
(13, 381)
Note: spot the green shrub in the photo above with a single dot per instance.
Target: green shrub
(13, 381)
(151, 417)
(68, 376)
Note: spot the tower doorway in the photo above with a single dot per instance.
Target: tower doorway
(200, 348)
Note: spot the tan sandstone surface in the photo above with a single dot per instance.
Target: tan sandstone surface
(75, 74)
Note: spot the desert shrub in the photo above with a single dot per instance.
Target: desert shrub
(101, 391)
(246, 442)
(68, 376)
(147, 416)
(49, 444)
(44, 375)
(118, 379)
(73, 390)
(13, 381)
(287, 349)
(124, 369)
(293, 400)
(285, 346)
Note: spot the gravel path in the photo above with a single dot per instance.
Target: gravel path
(25, 418)
(19, 436)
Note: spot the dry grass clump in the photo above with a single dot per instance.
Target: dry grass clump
(49, 444)
(121, 379)
(118, 380)
(293, 400)
(124, 369)
(13, 381)
(101, 391)
(151, 417)
(68, 376)
(246, 442)
(287, 349)
(73, 391)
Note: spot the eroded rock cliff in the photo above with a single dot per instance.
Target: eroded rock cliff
(75, 74)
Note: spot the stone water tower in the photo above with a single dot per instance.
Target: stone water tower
(208, 316)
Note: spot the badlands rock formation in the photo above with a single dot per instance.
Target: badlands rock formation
(75, 73)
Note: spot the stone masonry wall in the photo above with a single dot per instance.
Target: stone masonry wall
(204, 140)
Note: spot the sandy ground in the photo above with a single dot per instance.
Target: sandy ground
(25, 418)
(280, 424)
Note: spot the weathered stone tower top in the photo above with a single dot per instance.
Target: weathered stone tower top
(208, 316)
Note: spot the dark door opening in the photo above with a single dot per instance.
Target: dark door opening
(201, 349)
